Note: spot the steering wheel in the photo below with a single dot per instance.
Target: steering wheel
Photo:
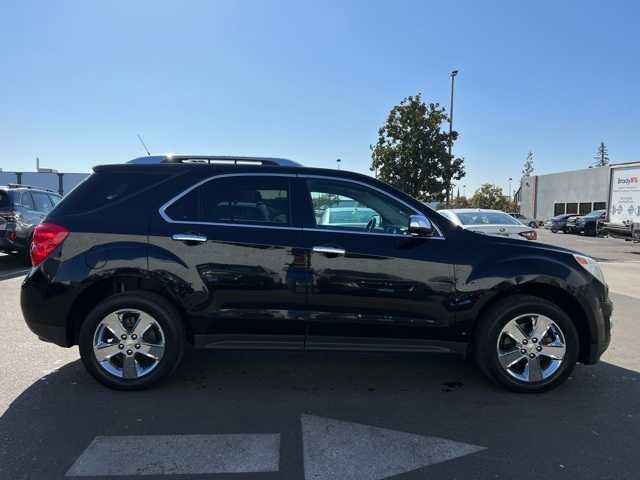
(371, 224)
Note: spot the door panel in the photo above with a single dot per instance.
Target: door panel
(383, 286)
(241, 284)
(370, 279)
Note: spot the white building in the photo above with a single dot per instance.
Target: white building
(575, 191)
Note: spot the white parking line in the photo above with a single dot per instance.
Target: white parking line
(178, 454)
(336, 450)
(17, 273)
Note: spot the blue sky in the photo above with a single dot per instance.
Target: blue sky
(313, 81)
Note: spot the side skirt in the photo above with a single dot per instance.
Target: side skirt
(318, 343)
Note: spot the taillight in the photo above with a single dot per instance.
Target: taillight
(46, 237)
(529, 235)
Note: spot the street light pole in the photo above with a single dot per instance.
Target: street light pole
(510, 180)
(338, 162)
(453, 76)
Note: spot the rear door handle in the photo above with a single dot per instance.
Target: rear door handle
(189, 237)
(330, 251)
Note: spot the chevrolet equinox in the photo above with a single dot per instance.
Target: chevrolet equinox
(262, 253)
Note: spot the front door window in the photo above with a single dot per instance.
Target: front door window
(347, 206)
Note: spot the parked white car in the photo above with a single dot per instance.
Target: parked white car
(490, 222)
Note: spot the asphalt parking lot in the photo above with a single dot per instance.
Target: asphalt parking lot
(267, 415)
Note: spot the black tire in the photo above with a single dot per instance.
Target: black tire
(492, 323)
(162, 311)
(554, 230)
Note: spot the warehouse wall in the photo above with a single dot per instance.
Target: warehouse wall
(541, 192)
(47, 180)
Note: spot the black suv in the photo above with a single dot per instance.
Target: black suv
(591, 223)
(238, 253)
(22, 207)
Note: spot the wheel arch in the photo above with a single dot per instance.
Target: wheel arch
(105, 288)
(557, 295)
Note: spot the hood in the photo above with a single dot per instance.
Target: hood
(523, 243)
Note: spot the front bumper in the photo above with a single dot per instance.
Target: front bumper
(601, 337)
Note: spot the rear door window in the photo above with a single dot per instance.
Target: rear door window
(42, 202)
(26, 201)
(236, 199)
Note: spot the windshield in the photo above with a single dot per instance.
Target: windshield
(486, 218)
(595, 213)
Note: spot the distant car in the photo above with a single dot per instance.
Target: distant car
(490, 222)
(559, 223)
(590, 224)
(525, 220)
(571, 224)
(22, 207)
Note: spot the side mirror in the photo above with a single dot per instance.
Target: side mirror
(420, 226)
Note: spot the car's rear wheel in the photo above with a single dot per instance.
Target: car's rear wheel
(132, 340)
(526, 344)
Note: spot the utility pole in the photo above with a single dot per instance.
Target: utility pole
(453, 76)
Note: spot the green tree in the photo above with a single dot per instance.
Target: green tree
(460, 202)
(602, 157)
(493, 197)
(527, 170)
(411, 152)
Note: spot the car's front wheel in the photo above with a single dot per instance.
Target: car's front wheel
(526, 344)
(132, 340)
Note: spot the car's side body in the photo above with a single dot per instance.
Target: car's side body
(559, 223)
(290, 283)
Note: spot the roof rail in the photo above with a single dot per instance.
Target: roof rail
(34, 187)
(211, 160)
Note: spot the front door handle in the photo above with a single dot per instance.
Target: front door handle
(330, 251)
(189, 237)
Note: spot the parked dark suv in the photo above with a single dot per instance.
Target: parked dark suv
(22, 207)
(229, 253)
(591, 223)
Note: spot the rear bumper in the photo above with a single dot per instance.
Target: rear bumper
(45, 309)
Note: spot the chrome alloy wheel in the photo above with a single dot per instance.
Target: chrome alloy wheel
(128, 343)
(531, 347)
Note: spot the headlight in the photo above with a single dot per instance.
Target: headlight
(591, 266)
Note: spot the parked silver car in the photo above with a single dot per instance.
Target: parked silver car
(490, 222)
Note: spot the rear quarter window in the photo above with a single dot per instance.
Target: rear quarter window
(106, 188)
